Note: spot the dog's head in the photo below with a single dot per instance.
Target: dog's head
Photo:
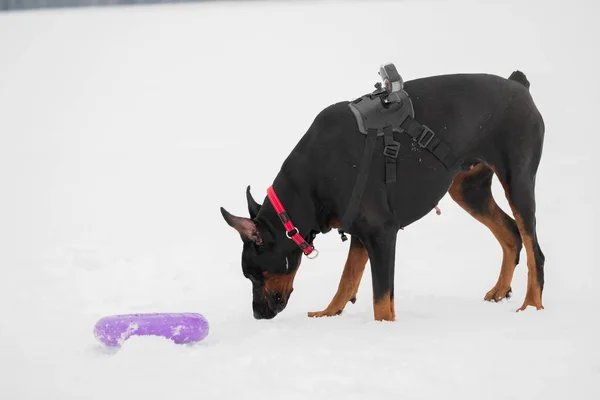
(267, 261)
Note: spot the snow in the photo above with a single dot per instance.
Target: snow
(123, 130)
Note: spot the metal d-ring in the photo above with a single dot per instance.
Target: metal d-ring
(311, 256)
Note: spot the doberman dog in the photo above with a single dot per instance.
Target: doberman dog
(493, 126)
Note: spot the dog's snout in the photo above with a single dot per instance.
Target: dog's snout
(269, 306)
(262, 310)
(263, 315)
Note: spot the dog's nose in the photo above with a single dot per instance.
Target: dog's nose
(264, 315)
(263, 311)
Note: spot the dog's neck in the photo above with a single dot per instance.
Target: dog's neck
(299, 205)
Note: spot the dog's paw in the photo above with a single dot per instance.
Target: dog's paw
(533, 298)
(497, 294)
(324, 313)
(538, 306)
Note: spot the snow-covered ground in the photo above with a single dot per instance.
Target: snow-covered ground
(123, 130)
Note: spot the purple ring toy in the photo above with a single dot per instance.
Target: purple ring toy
(182, 328)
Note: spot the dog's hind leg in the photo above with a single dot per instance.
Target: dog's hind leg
(521, 196)
(472, 191)
(517, 169)
(350, 281)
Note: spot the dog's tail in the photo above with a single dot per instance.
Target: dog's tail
(520, 77)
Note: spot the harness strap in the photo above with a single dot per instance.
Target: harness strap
(361, 181)
(424, 137)
(428, 140)
(390, 151)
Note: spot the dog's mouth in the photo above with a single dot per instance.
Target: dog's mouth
(263, 310)
(270, 304)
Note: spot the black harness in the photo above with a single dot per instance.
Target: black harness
(382, 113)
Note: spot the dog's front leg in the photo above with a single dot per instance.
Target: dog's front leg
(382, 253)
(348, 286)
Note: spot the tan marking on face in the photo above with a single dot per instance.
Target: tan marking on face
(280, 283)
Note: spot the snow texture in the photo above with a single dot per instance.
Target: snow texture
(123, 130)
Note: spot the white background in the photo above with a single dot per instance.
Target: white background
(123, 130)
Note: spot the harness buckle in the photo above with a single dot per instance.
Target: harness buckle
(392, 150)
(424, 140)
(291, 233)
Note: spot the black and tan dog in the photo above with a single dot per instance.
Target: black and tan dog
(492, 125)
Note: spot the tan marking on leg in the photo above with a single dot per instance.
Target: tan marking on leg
(502, 232)
(384, 308)
(349, 283)
(495, 221)
(533, 297)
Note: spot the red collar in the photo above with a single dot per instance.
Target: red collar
(290, 230)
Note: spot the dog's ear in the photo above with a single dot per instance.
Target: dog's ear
(245, 226)
(253, 206)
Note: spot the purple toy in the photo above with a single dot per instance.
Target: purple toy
(180, 327)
